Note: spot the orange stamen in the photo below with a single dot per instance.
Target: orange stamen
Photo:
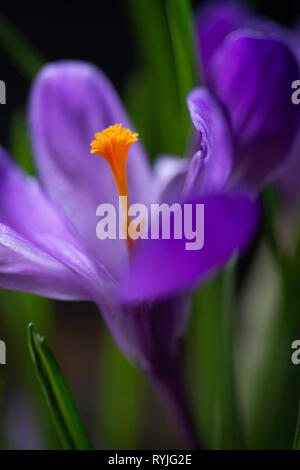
(113, 144)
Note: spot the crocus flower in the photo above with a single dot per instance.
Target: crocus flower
(288, 180)
(48, 240)
(249, 65)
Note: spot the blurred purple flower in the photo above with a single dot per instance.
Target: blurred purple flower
(214, 21)
(288, 180)
(249, 64)
(48, 243)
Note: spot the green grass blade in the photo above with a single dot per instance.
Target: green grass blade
(60, 401)
(24, 55)
(211, 339)
(230, 405)
(180, 25)
(19, 144)
(161, 106)
(204, 362)
(2, 385)
(296, 445)
(121, 388)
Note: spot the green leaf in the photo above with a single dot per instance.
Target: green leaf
(3, 379)
(204, 361)
(180, 24)
(18, 49)
(59, 398)
(19, 142)
(210, 345)
(160, 107)
(296, 445)
(230, 406)
(2, 383)
(121, 388)
(270, 208)
(139, 99)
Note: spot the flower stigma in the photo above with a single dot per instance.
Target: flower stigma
(113, 144)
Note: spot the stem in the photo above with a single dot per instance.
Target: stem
(232, 429)
(172, 390)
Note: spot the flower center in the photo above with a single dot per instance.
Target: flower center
(113, 144)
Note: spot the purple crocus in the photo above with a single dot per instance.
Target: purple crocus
(249, 64)
(288, 179)
(48, 240)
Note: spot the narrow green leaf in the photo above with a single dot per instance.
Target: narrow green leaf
(2, 385)
(2, 382)
(19, 142)
(204, 361)
(26, 58)
(121, 395)
(230, 406)
(180, 24)
(161, 111)
(270, 207)
(296, 445)
(139, 102)
(295, 255)
(211, 362)
(59, 399)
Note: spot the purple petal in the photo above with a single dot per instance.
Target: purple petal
(25, 210)
(211, 165)
(252, 75)
(288, 179)
(164, 266)
(24, 267)
(295, 42)
(70, 101)
(149, 333)
(214, 21)
(169, 178)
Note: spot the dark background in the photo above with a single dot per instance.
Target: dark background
(94, 31)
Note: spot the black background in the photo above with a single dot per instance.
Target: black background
(96, 31)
